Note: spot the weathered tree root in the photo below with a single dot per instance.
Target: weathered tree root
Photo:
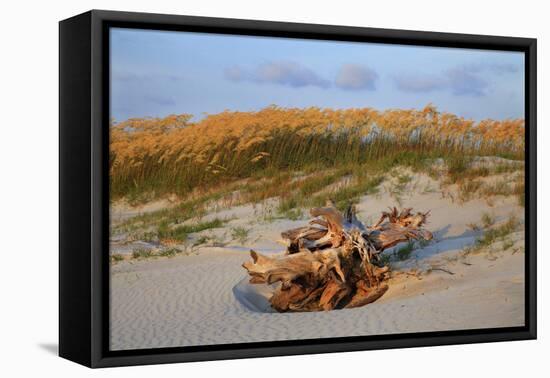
(334, 263)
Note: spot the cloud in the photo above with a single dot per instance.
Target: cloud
(291, 74)
(235, 74)
(132, 77)
(159, 100)
(356, 77)
(420, 83)
(504, 68)
(124, 77)
(465, 82)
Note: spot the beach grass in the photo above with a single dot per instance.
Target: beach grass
(240, 234)
(494, 233)
(301, 158)
(141, 253)
(180, 233)
(151, 158)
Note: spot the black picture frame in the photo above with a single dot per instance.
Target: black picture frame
(84, 195)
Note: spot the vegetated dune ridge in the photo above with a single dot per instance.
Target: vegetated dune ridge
(154, 157)
(470, 276)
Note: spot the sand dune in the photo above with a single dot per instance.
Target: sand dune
(190, 300)
(204, 298)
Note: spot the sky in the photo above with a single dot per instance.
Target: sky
(157, 73)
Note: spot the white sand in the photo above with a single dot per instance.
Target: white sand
(204, 299)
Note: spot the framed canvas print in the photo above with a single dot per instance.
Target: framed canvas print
(234, 188)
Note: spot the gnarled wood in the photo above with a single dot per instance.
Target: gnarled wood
(315, 266)
(335, 265)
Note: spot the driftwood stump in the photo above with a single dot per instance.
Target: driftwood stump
(334, 262)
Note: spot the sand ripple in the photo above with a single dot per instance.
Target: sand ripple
(190, 300)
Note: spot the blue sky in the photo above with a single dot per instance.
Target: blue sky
(157, 73)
